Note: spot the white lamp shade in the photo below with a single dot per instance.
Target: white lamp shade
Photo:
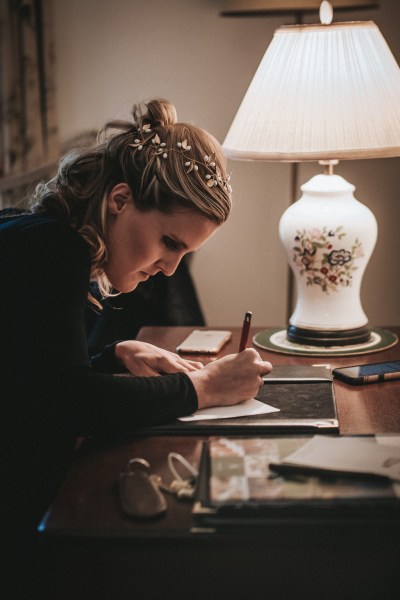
(321, 92)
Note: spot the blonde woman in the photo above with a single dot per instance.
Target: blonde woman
(151, 191)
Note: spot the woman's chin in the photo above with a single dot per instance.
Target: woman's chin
(127, 285)
(130, 288)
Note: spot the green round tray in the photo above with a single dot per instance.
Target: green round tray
(275, 340)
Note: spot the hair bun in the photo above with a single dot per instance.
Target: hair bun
(157, 113)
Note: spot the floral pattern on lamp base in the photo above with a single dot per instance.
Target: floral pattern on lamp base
(325, 263)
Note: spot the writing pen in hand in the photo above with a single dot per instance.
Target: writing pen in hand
(245, 331)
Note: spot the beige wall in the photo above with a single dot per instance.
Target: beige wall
(111, 54)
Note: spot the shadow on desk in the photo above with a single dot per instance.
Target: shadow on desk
(299, 562)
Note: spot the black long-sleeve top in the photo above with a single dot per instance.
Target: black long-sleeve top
(51, 390)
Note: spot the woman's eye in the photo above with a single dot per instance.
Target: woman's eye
(170, 243)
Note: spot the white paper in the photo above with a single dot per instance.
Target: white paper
(348, 454)
(245, 409)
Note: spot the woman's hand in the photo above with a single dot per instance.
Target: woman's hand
(231, 379)
(143, 359)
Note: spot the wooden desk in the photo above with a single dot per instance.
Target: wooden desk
(366, 409)
(94, 552)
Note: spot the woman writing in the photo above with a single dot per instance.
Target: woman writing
(134, 205)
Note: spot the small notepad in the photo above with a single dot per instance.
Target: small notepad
(347, 455)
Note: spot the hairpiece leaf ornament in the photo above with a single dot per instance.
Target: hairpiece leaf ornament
(212, 173)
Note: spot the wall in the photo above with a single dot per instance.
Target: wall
(111, 54)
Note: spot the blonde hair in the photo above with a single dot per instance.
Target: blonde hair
(79, 191)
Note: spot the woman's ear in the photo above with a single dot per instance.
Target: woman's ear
(119, 197)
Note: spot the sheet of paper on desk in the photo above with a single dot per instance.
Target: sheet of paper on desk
(348, 455)
(249, 408)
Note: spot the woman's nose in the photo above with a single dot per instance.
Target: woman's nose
(168, 266)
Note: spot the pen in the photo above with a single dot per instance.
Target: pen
(245, 331)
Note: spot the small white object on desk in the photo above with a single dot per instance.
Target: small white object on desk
(245, 409)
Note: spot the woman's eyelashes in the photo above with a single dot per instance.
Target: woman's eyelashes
(171, 244)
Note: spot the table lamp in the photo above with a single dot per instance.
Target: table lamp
(323, 92)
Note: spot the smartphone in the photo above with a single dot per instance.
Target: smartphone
(359, 374)
(201, 341)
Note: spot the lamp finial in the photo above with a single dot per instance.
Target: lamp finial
(325, 13)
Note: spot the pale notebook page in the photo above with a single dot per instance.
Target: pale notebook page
(245, 409)
(347, 454)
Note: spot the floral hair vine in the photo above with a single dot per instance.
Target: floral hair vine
(213, 175)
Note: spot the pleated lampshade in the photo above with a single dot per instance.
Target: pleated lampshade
(320, 92)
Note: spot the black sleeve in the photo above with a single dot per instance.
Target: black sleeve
(48, 272)
(100, 403)
(106, 361)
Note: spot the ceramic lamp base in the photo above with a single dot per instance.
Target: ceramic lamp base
(329, 237)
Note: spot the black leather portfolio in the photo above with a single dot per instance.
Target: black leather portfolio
(304, 396)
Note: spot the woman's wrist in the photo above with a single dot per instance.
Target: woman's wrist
(201, 384)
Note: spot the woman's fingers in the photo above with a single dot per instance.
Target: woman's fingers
(172, 363)
(195, 364)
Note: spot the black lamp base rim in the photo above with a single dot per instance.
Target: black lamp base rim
(321, 337)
